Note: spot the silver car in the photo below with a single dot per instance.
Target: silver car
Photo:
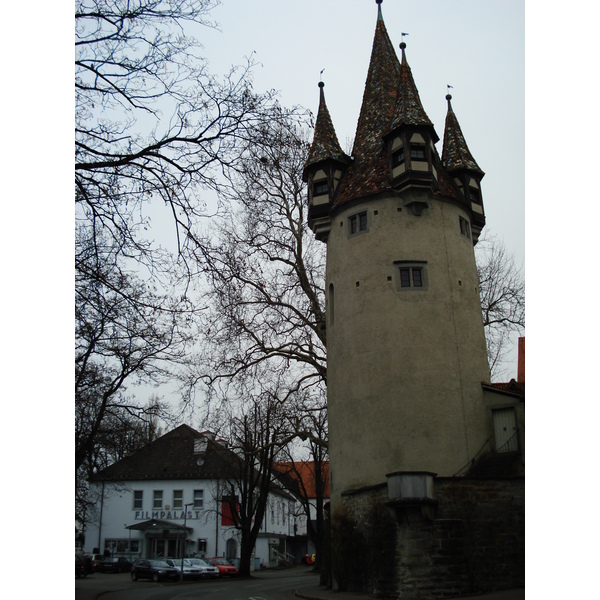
(205, 569)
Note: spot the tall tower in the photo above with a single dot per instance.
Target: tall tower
(406, 348)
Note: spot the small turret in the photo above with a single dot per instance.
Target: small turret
(411, 139)
(323, 168)
(460, 164)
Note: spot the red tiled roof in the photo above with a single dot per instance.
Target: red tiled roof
(305, 472)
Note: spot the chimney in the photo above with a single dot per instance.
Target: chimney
(521, 364)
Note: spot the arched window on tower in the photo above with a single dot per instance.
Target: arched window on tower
(331, 304)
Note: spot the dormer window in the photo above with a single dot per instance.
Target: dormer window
(398, 157)
(320, 188)
(417, 152)
(474, 196)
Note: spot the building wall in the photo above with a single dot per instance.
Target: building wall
(116, 506)
(405, 367)
(473, 543)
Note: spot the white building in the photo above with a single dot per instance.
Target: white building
(178, 488)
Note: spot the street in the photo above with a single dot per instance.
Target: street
(263, 585)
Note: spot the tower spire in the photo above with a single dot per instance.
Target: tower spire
(455, 152)
(325, 145)
(408, 109)
(368, 173)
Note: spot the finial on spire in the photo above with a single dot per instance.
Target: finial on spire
(448, 96)
(402, 47)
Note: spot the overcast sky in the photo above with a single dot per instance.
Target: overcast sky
(477, 47)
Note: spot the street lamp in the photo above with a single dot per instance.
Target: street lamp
(184, 534)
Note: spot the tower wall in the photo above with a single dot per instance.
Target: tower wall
(405, 365)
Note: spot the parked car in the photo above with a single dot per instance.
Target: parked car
(97, 560)
(157, 570)
(189, 571)
(83, 565)
(206, 570)
(226, 569)
(116, 564)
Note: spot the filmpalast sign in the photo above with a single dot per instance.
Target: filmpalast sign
(143, 515)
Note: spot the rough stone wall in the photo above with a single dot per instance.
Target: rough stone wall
(474, 543)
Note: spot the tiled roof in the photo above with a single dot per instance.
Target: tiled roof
(513, 386)
(172, 456)
(408, 109)
(325, 143)
(455, 152)
(368, 174)
(305, 471)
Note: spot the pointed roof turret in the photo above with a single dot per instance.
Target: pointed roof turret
(325, 145)
(455, 152)
(408, 109)
(369, 172)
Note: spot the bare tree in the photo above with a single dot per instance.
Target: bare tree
(502, 293)
(264, 269)
(308, 479)
(151, 121)
(125, 332)
(255, 430)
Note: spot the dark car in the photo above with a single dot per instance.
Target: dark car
(116, 564)
(83, 565)
(157, 570)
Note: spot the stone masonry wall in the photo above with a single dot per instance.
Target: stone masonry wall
(474, 542)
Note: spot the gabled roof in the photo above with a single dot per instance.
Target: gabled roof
(325, 145)
(455, 152)
(368, 174)
(173, 456)
(303, 474)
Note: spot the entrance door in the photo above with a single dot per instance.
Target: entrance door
(505, 430)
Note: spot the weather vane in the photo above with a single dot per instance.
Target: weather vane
(321, 75)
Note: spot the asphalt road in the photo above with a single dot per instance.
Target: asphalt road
(263, 585)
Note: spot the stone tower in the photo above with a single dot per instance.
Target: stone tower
(406, 348)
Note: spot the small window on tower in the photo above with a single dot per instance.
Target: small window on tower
(398, 157)
(358, 223)
(411, 276)
(320, 188)
(465, 228)
(417, 152)
(474, 196)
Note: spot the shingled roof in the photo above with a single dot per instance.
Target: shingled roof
(455, 152)
(183, 453)
(325, 145)
(408, 109)
(368, 174)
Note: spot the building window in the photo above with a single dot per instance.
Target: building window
(158, 499)
(320, 188)
(398, 157)
(198, 498)
(474, 196)
(465, 228)
(138, 499)
(177, 499)
(411, 276)
(358, 223)
(417, 152)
